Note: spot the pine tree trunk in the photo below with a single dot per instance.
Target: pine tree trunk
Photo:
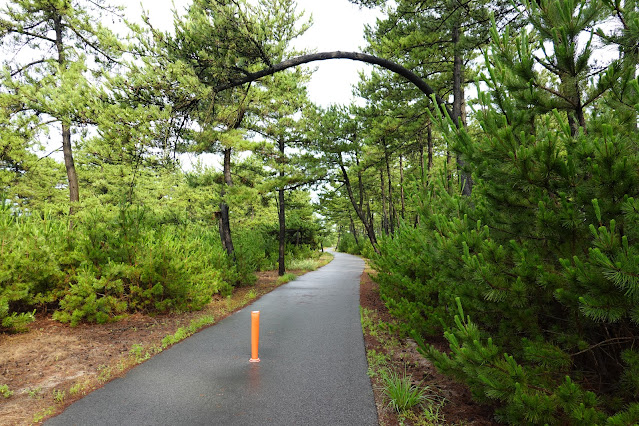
(458, 99)
(392, 214)
(360, 181)
(421, 161)
(430, 150)
(281, 270)
(225, 223)
(67, 151)
(353, 231)
(384, 211)
(401, 186)
(367, 222)
(74, 193)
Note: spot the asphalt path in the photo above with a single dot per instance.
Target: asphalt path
(312, 369)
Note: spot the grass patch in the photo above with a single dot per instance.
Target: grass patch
(33, 393)
(324, 259)
(286, 278)
(78, 388)
(59, 395)
(376, 362)
(303, 264)
(38, 417)
(184, 332)
(413, 403)
(5, 392)
(402, 394)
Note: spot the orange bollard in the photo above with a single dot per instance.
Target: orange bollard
(255, 335)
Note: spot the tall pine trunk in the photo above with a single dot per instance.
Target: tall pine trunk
(458, 100)
(430, 150)
(367, 220)
(225, 222)
(421, 161)
(392, 214)
(401, 186)
(281, 269)
(383, 199)
(353, 230)
(67, 151)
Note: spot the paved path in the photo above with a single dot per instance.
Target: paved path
(312, 369)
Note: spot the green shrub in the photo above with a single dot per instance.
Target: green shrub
(543, 257)
(302, 264)
(288, 277)
(33, 246)
(402, 394)
(5, 392)
(138, 267)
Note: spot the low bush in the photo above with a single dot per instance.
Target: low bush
(114, 260)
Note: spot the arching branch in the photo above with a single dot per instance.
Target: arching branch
(355, 56)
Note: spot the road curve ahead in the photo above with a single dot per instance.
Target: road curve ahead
(312, 369)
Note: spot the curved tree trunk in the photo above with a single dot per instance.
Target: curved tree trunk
(368, 224)
(355, 56)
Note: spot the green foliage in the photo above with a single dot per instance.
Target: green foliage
(288, 277)
(5, 392)
(255, 250)
(543, 256)
(303, 264)
(59, 395)
(31, 249)
(129, 263)
(184, 332)
(360, 246)
(402, 394)
(114, 261)
(527, 394)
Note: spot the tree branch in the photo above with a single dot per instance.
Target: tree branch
(355, 56)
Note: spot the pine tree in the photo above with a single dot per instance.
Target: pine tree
(539, 265)
(52, 81)
(214, 43)
(285, 98)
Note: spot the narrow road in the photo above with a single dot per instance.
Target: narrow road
(312, 370)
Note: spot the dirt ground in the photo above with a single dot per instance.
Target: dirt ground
(53, 364)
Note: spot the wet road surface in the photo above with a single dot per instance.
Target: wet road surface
(312, 369)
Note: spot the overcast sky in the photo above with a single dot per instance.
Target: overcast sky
(337, 25)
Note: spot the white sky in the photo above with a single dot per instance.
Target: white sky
(337, 25)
